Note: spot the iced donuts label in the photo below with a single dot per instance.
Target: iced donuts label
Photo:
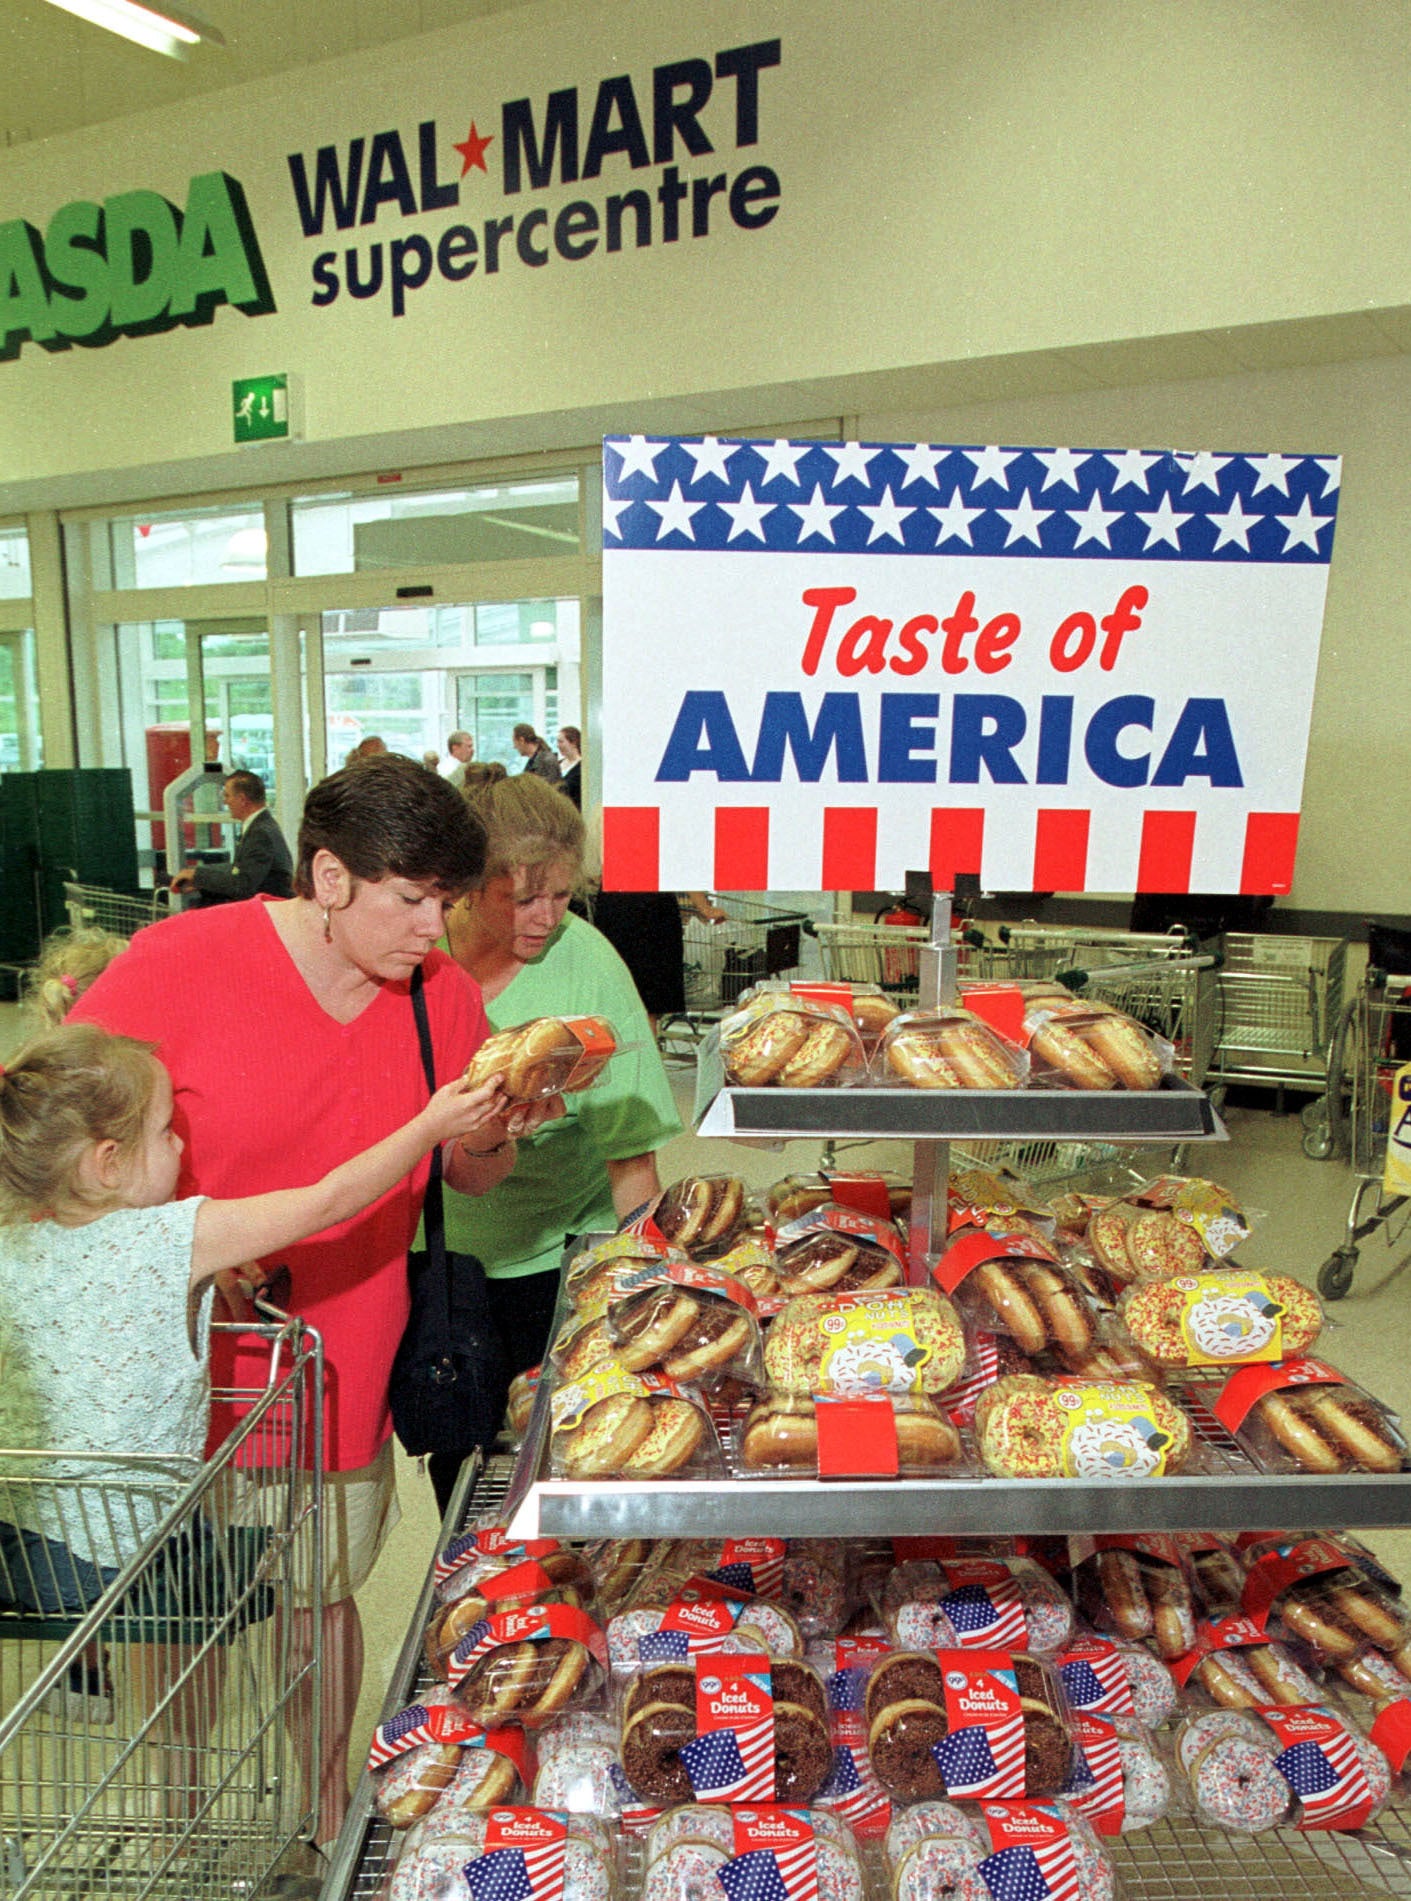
(983, 1755)
(1321, 1764)
(1109, 1433)
(1033, 1852)
(732, 1756)
(1095, 1786)
(1229, 1316)
(872, 1346)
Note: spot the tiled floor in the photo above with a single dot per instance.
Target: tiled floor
(1299, 1209)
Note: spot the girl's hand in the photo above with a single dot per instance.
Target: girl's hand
(457, 1111)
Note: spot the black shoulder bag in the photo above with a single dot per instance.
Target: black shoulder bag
(449, 1381)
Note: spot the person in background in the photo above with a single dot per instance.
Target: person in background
(483, 772)
(68, 963)
(262, 863)
(514, 934)
(373, 747)
(461, 747)
(535, 753)
(431, 759)
(645, 928)
(571, 754)
(288, 1031)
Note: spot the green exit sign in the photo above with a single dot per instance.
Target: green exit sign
(261, 408)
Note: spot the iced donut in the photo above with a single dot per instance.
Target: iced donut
(936, 1868)
(432, 1869)
(687, 1872)
(930, 1821)
(839, 1874)
(1151, 1683)
(1377, 1771)
(579, 1779)
(813, 1586)
(1146, 1787)
(1235, 1783)
(1198, 1731)
(577, 1726)
(692, 1822)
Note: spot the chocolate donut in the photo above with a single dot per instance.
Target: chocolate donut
(901, 1745)
(651, 1753)
(803, 1754)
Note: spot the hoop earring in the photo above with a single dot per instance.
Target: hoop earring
(327, 927)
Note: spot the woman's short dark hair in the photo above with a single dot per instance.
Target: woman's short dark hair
(390, 817)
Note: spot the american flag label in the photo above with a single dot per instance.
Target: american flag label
(839, 1220)
(732, 1756)
(1094, 1679)
(984, 1605)
(852, 1790)
(775, 1857)
(1095, 1786)
(473, 1547)
(524, 1856)
(984, 1753)
(1060, 669)
(1272, 1574)
(755, 1565)
(1033, 1857)
(983, 1371)
(412, 1727)
(1319, 1762)
(536, 1624)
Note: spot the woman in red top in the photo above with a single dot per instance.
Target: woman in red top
(288, 1031)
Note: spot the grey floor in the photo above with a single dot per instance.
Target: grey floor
(1299, 1211)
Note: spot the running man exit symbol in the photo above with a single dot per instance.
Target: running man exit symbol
(261, 408)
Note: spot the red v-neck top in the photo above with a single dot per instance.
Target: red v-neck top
(272, 1092)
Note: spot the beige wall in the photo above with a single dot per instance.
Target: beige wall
(982, 201)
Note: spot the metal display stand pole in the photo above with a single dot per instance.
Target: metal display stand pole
(930, 1166)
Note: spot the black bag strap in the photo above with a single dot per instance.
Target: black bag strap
(433, 1209)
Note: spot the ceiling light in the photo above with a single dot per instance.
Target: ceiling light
(155, 27)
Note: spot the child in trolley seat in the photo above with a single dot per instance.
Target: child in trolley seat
(103, 1278)
(68, 963)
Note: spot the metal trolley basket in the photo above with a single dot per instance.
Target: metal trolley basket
(160, 1720)
(93, 907)
(1372, 1041)
(1278, 1003)
(722, 959)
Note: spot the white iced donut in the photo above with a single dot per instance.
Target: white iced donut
(930, 1821)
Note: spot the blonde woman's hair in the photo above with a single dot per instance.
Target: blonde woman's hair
(69, 962)
(527, 822)
(75, 1086)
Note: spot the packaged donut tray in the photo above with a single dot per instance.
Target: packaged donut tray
(1175, 1112)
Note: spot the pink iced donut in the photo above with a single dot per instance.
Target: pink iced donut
(936, 1869)
(574, 1727)
(692, 1822)
(839, 1873)
(579, 1779)
(430, 1869)
(624, 1631)
(1151, 1683)
(770, 1623)
(686, 1872)
(920, 1622)
(937, 1821)
(1197, 1731)
(1236, 1784)
(1146, 1787)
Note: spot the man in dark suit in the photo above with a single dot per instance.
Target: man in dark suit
(262, 861)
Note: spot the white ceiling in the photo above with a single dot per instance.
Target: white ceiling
(57, 72)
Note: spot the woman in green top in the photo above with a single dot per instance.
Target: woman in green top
(532, 957)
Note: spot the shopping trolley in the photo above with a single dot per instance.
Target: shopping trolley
(1372, 1041)
(92, 907)
(1278, 1002)
(723, 958)
(161, 1714)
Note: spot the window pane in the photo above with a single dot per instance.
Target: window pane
(20, 747)
(449, 628)
(208, 545)
(509, 521)
(399, 708)
(14, 564)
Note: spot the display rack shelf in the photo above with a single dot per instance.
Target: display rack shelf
(1227, 1493)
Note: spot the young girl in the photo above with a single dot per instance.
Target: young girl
(69, 962)
(102, 1320)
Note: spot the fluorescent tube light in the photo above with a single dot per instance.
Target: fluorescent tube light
(153, 27)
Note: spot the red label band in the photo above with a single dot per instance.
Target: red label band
(857, 1438)
(1246, 1386)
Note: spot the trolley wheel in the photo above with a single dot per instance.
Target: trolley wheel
(1318, 1143)
(1315, 1112)
(1335, 1275)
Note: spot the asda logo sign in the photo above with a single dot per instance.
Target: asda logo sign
(129, 266)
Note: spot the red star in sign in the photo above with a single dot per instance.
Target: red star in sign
(473, 150)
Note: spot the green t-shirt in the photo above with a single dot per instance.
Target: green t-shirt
(560, 1184)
